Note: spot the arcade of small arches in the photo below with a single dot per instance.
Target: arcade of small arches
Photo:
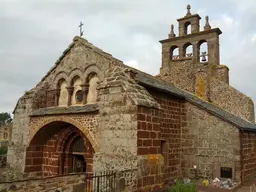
(58, 148)
(187, 51)
(77, 88)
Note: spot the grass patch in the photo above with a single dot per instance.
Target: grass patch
(181, 187)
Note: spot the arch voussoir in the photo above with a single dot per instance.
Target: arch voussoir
(35, 126)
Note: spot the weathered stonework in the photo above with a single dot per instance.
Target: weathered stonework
(72, 183)
(231, 100)
(209, 143)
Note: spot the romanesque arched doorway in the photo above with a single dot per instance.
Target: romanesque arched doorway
(58, 148)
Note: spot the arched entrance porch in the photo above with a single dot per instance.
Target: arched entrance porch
(58, 148)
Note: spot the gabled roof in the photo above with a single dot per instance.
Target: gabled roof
(86, 44)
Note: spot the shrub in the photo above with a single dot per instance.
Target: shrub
(181, 187)
(3, 150)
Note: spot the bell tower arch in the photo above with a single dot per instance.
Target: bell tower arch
(203, 54)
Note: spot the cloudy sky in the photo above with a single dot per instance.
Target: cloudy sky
(33, 34)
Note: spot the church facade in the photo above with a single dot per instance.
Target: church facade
(92, 113)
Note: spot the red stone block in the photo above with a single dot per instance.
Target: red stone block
(148, 180)
(143, 134)
(28, 161)
(32, 169)
(142, 151)
(141, 117)
(37, 161)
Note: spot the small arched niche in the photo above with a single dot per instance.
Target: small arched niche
(203, 51)
(174, 52)
(63, 96)
(77, 96)
(188, 50)
(92, 81)
(187, 28)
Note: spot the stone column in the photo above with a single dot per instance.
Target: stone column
(56, 97)
(85, 89)
(196, 52)
(70, 93)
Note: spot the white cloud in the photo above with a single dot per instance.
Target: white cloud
(132, 63)
(253, 39)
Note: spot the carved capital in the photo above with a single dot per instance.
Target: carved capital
(70, 90)
(85, 87)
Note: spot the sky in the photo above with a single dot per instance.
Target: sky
(35, 33)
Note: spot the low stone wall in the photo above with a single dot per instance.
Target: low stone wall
(69, 183)
(3, 159)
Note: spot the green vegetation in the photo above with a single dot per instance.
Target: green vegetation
(5, 118)
(181, 187)
(3, 150)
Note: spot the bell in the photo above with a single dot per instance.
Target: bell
(204, 57)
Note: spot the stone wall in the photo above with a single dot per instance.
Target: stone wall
(231, 100)
(180, 73)
(172, 119)
(159, 142)
(20, 136)
(117, 133)
(149, 134)
(248, 141)
(150, 161)
(71, 183)
(209, 143)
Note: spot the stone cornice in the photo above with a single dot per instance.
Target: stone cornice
(90, 108)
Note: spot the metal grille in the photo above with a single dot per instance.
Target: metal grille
(100, 182)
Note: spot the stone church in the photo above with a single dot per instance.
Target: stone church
(93, 113)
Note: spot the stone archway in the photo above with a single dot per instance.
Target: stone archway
(59, 148)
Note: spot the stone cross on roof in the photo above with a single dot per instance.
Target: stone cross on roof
(81, 29)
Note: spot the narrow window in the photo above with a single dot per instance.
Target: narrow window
(164, 151)
(92, 93)
(63, 97)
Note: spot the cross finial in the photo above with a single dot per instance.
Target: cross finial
(81, 29)
(188, 8)
(172, 35)
(207, 25)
